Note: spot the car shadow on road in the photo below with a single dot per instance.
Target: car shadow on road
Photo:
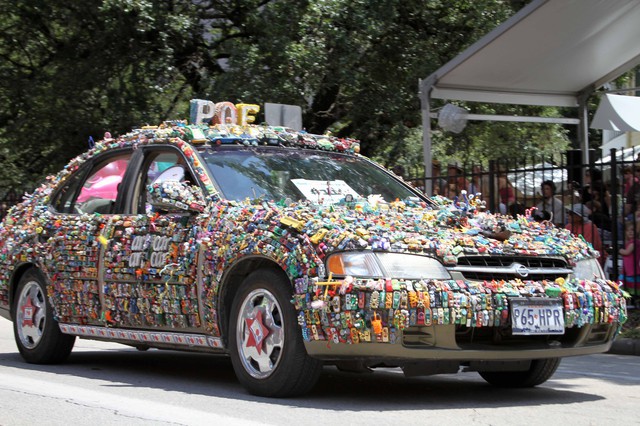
(386, 390)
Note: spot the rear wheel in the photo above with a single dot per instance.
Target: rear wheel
(37, 334)
(267, 350)
(539, 372)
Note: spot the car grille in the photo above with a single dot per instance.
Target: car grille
(487, 268)
(491, 337)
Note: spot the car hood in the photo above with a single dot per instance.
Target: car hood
(448, 230)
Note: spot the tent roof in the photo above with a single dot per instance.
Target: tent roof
(618, 113)
(549, 53)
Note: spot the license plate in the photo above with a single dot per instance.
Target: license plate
(536, 316)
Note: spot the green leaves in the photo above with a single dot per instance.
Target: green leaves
(70, 70)
(77, 70)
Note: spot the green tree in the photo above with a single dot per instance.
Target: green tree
(71, 70)
(353, 65)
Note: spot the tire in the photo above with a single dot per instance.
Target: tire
(540, 371)
(270, 361)
(37, 334)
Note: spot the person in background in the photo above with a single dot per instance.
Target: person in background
(551, 204)
(602, 221)
(631, 190)
(580, 224)
(592, 177)
(457, 179)
(541, 216)
(600, 192)
(517, 209)
(398, 170)
(453, 191)
(630, 275)
(475, 186)
(506, 194)
(628, 179)
(438, 184)
(445, 191)
(574, 192)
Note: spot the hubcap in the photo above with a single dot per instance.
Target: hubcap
(260, 333)
(31, 315)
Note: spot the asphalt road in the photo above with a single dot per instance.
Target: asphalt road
(110, 384)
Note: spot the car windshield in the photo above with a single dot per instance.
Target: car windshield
(283, 173)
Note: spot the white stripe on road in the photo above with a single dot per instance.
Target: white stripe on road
(125, 406)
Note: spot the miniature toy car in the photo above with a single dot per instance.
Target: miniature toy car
(325, 143)
(289, 258)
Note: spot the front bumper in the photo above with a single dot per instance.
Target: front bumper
(447, 342)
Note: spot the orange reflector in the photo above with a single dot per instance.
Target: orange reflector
(336, 266)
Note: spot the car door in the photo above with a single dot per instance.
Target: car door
(150, 256)
(79, 210)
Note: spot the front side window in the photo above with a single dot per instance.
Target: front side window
(159, 166)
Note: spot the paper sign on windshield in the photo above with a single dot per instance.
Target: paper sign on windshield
(324, 191)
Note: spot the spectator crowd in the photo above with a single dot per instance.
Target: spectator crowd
(586, 210)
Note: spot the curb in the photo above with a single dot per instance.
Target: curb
(624, 346)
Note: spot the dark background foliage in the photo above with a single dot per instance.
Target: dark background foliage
(74, 70)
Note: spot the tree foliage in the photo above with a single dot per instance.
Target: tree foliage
(355, 65)
(73, 70)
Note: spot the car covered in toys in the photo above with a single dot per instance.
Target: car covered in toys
(287, 259)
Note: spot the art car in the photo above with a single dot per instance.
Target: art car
(288, 258)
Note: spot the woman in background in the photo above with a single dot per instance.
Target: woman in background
(630, 276)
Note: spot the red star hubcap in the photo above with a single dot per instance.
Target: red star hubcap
(28, 312)
(260, 333)
(257, 332)
(31, 314)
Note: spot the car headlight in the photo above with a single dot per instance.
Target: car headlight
(588, 269)
(389, 265)
(356, 264)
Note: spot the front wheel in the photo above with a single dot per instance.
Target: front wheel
(267, 350)
(37, 335)
(539, 372)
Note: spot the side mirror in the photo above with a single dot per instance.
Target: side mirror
(174, 196)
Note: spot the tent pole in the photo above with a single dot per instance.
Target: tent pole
(425, 100)
(583, 127)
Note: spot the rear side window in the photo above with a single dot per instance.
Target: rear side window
(64, 199)
(98, 192)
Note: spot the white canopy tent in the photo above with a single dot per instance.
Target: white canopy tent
(552, 52)
(528, 182)
(619, 113)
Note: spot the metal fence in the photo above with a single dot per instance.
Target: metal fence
(606, 192)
